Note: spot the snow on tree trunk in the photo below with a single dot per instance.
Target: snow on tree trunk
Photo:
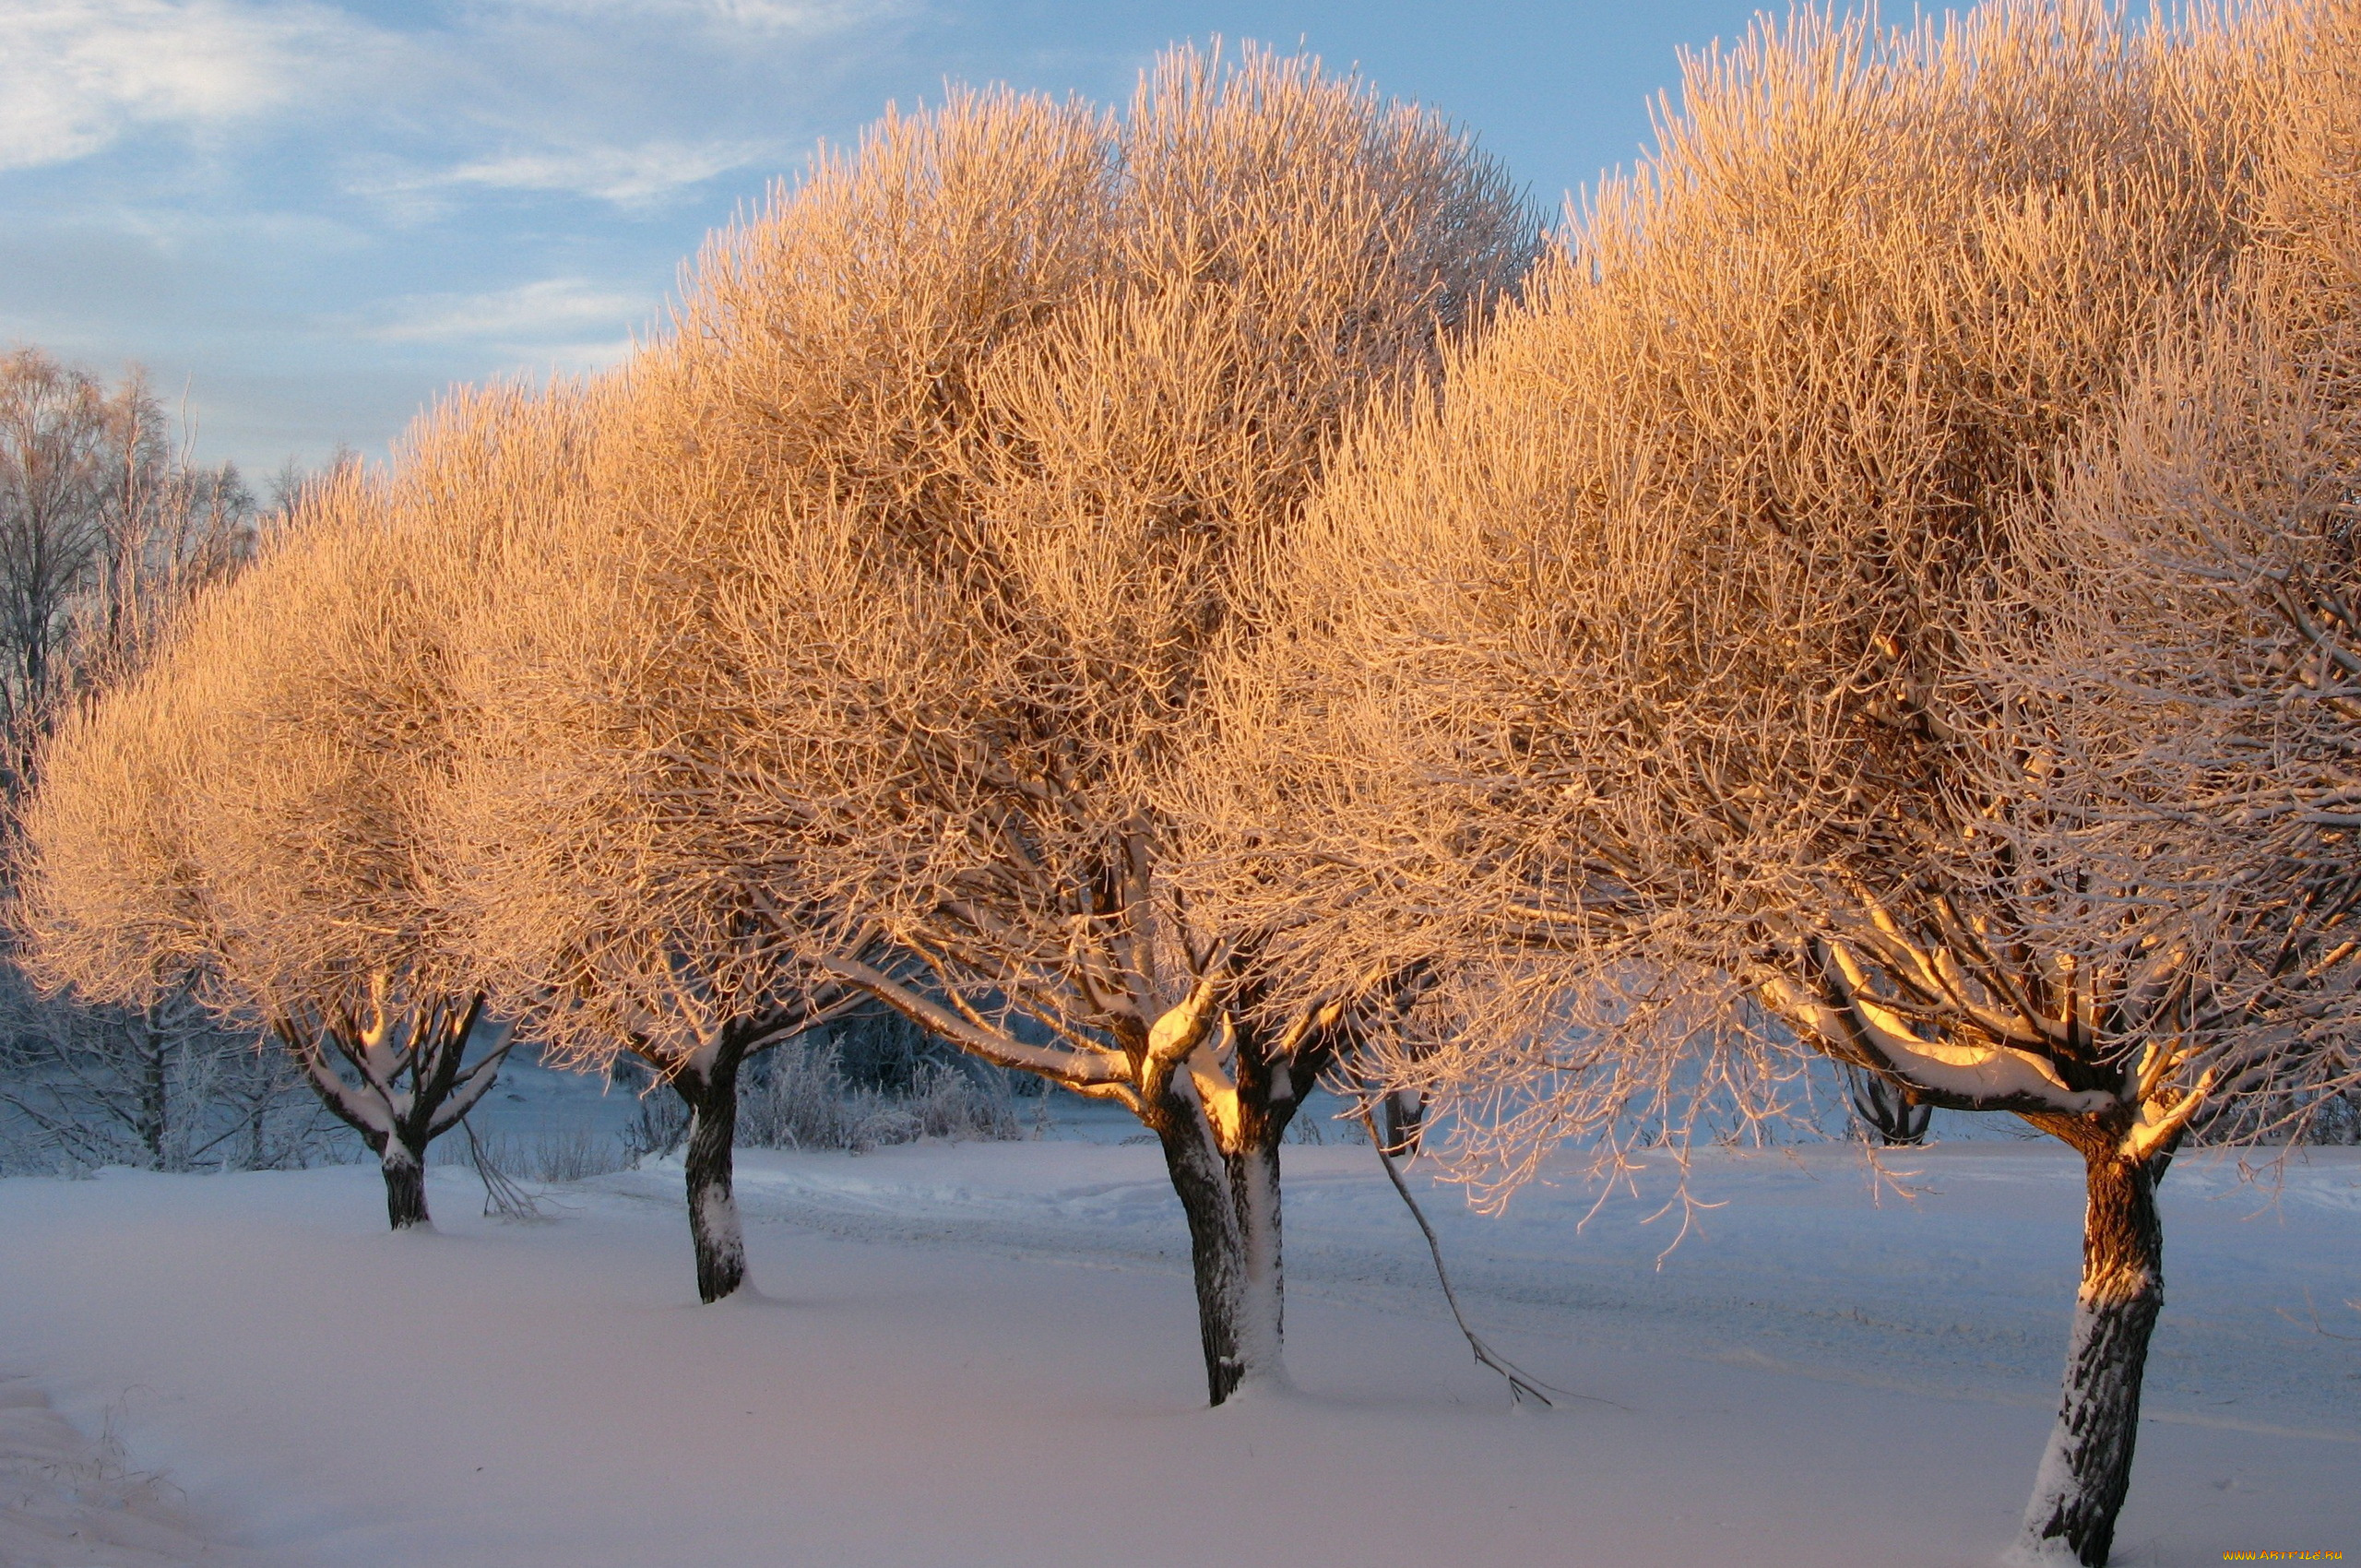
(1221, 1131)
(711, 1093)
(1261, 1317)
(404, 1170)
(1232, 1202)
(407, 1087)
(2087, 1466)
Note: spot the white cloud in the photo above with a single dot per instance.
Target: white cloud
(626, 176)
(76, 74)
(568, 318)
(798, 16)
(808, 18)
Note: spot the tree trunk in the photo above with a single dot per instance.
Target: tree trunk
(2087, 1466)
(257, 1118)
(714, 1228)
(1232, 1204)
(155, 1101)
(1404, 1122)
(1261, 1318)
(1226, 1169)
(398, 1126)
(404, 1170)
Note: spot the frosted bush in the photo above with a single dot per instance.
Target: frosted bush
(570, 1154)
(802, 1099)
(660, 1126)
(551, 1154)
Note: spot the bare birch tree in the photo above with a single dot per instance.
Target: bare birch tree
(961, 470)
(1633, 691)
(243, 817)
(61, 454)
(105, 529)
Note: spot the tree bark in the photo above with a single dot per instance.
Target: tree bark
(1230, 1190)
(1404, 1120)
(440, 1096)
(155, 1101)
(405, 1170)
(711, 1093)
(1232, 1204)
(2087, 1468)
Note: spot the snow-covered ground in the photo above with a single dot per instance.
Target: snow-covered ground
(986, 1355)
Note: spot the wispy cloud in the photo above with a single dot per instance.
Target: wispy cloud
(76, 74)
(806, 17)
(625, 176)
(569, 322)
(260, 193)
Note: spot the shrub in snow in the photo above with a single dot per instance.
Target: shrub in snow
(1729, 666)
(657, 1128)
(802, 1099)
(2337, 1120)
(872, 1079)
(565, 1154)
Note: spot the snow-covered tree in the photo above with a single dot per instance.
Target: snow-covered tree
(958, 475)
(1640, 687)
(579, 898)
(106, 531)
(166, 1086)
(2178, 657)
(244, 816)
(2170, 680)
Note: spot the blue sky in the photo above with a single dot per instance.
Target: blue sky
(308, 218)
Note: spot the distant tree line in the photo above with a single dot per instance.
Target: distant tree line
(1191, 602)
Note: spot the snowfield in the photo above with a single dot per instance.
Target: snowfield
(984, 1355)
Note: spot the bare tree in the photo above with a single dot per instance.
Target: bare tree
(167, 1086)
(958, 476)
(242, 817)
(105, 529)
(1634, 688)
(570, 897)
(60, 457)
(2173, 662)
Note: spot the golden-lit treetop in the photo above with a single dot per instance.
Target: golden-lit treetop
(2178, 652)
(914, 540)
(1626, 676)
(247, 812)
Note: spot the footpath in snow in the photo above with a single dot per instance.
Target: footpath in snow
(984, 1355)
